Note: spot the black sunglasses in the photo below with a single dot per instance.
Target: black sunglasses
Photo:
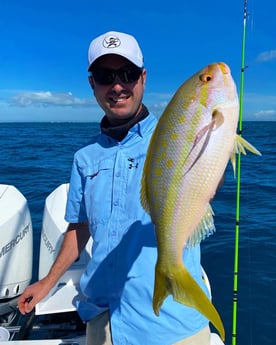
(106, 76)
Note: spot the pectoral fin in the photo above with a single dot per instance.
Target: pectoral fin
(217, 121)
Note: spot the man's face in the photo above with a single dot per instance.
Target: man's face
(120, 100)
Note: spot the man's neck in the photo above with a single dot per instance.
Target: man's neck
(119, 129)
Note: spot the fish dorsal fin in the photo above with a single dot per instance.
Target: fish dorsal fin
(241, 145)
(144, 197)
(205, 228)
(144, 194)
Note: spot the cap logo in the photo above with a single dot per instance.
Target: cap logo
(111, 42)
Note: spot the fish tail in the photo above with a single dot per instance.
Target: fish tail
(179, 283)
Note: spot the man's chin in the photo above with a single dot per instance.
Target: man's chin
(119, 117)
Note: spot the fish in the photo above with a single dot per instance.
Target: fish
(189, 150)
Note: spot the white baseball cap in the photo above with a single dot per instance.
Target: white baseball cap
(118, 43)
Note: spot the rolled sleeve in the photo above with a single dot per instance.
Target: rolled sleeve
(75, 206)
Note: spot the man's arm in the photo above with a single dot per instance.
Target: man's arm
(75, 239)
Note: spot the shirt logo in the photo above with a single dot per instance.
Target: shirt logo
(111, 42)
(132, 163)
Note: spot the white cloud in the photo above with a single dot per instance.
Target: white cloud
(259, 107)
(47, 98)
(157, 102)
(267, 56)
(266, 114)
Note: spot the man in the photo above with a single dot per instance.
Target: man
(104, 202)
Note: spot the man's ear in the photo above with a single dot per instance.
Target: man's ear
(91, 82)
(144, 77)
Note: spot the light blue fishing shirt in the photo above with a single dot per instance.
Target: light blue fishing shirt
(105, 190)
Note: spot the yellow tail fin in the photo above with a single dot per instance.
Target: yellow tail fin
(185, 290)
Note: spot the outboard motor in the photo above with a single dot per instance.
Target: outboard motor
(53, 228)
(16, 243)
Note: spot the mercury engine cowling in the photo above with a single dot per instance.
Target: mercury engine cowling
(53, 229)
(16, 242)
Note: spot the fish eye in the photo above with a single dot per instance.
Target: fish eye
(205, 77)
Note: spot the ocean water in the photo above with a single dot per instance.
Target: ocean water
(36, 158)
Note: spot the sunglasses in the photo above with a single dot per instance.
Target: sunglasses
(106, 76)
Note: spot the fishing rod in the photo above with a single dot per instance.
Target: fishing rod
(237, 227)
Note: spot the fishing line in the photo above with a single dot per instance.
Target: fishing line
(237, 227)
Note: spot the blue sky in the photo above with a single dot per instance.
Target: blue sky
(43, 55)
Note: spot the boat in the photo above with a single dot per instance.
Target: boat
(54, 320)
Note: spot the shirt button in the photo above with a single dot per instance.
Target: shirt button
(118, 174)
(116, 203)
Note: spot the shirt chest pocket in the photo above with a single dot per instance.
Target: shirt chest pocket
(98, 184)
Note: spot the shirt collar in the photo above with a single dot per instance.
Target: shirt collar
(144, 126)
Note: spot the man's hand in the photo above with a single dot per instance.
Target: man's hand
(75, 239)
(33, 294)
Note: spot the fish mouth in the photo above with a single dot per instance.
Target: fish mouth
(208, 72)
(224, 68)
